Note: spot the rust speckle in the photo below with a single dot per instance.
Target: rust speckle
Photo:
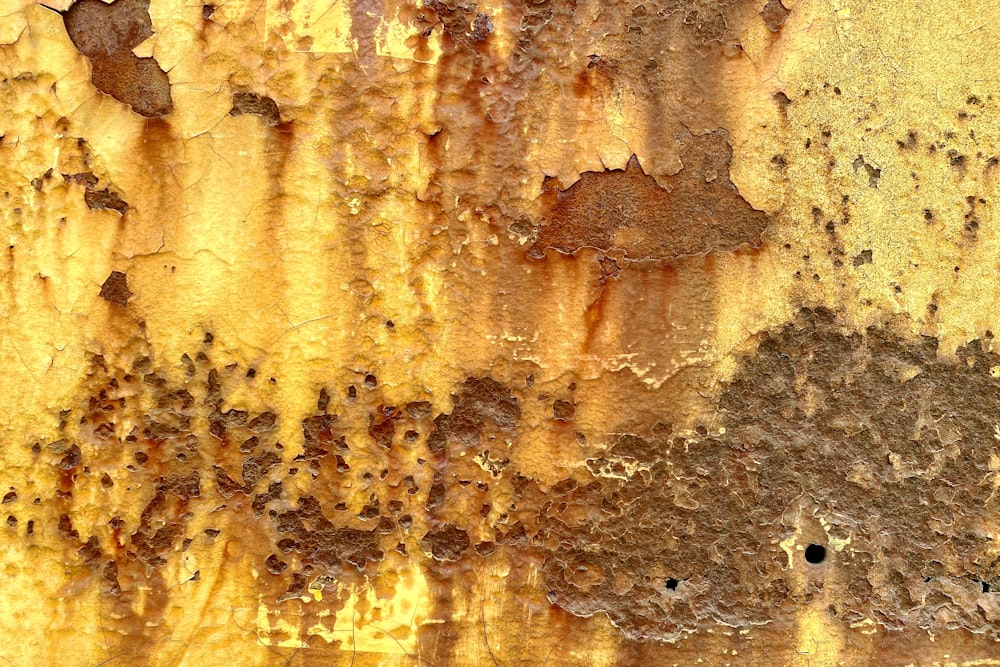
(697, 211)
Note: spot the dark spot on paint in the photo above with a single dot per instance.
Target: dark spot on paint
(485, 549)
(66, 529)
(207, 11)
(864, 257)
(971, 219)
(815, 554)
(697, 211)
(911, 141)
(783, 103)
(71, 459)
(115, 289)
(275, 565)
(774, 15)
(84, 178)
(419, 410)
(563, 410)
(263, 423)
(323, 402)
(874, 174)
(256, 105)
(106, 34)
(609, 268)
(256, 467)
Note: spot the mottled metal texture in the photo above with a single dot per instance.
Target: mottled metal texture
(509, 333)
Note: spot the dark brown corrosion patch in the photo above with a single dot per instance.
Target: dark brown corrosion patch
(774, 15)
(698, 210)
(876, 448)
(884, 442)
(115, 288)
(106, 35)
(255, 105)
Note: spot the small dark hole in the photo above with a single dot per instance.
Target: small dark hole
(815, 554)
(672, 584)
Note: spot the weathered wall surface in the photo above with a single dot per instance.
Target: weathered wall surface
(519, 333)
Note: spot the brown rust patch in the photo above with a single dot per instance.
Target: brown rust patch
(105, 198)
(667, 533)
(461, 22)
(256, 105)
(774, 15)
(880, 440)
(482, 400)
(326, 544)
(698, 210)
(115, 289)
(106, 34)
(447, 543)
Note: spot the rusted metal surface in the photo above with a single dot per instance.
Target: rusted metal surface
(507, 333)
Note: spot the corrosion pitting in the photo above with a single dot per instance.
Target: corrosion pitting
(876, 445)
(696, 211)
